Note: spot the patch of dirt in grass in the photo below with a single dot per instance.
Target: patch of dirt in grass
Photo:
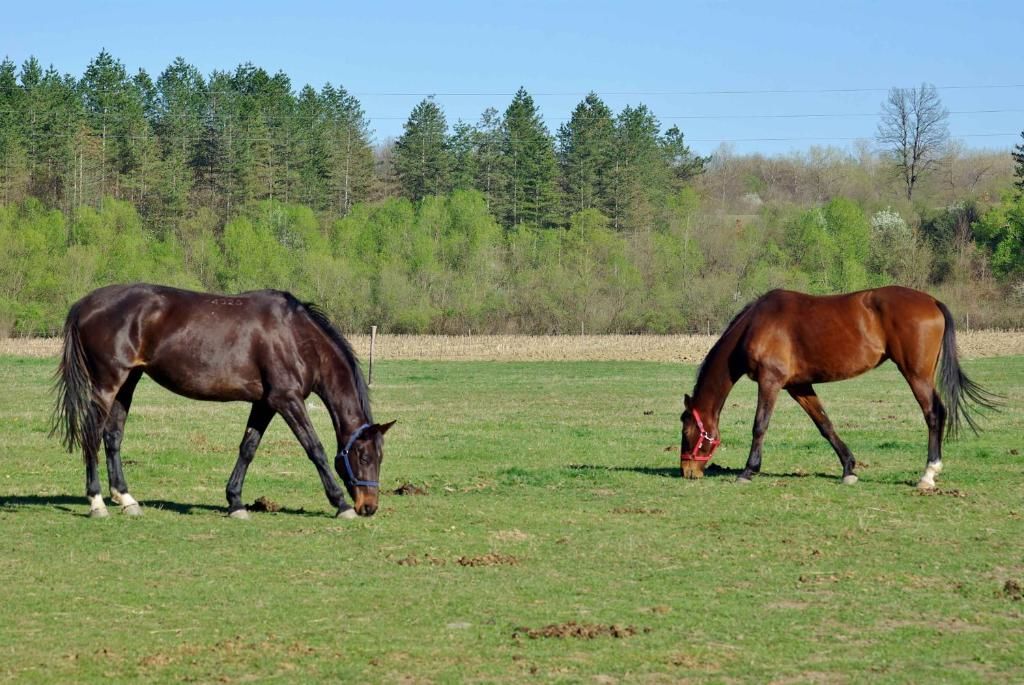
(790, 604)
(657, 609)
(234, 648)
(823, 578)
(491, 559)
(200, 443)
(413, 560)
(514, 535)
(581, 631)
(942, 625)
(1012, 590)
(810, 677)
(952, 492)
(637, 510)
(693, 662)
(409, 489)
(264, 503)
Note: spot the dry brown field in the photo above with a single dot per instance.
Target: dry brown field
(654, 348)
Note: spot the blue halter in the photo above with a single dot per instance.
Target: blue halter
(351, 477)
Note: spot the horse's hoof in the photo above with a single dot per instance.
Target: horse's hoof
(347, 513)
(132, 509)
(925, 485)
(850, 479)
(240, 514)
(742, 481)
(98, 513)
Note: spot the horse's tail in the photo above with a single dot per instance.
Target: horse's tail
(959, 393)
(76, 414)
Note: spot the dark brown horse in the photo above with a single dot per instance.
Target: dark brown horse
(264, 347)
(789, 341)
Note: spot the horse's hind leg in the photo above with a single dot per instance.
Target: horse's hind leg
(106, 383)
(99, 410)
(808, 399)
(935, 416)
(113, 434)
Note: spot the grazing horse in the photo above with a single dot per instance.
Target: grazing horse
(262, 347)
(789, 341)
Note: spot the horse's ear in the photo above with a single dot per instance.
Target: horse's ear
(383, 428)
(687, 402)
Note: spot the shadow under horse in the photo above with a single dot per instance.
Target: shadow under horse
(264, 347)
(789, 341)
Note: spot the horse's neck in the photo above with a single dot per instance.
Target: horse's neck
(337, 388)
(715, 380)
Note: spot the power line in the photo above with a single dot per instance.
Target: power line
(616, 93)
(635, 93)
(803, 115)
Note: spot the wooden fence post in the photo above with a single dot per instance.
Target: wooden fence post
(373, 342)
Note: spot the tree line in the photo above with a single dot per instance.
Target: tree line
(237, 181)
(181, 141)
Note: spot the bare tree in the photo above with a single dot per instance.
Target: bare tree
(914, 130)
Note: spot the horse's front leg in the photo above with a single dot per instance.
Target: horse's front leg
(293, 409)
(767, 393)
(259, 418)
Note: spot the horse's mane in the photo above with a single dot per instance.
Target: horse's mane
(320, 319)
(712, 353)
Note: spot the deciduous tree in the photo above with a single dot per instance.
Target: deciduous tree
(914, 130)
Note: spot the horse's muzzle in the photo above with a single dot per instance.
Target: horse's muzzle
(692, 469)
(365, 503)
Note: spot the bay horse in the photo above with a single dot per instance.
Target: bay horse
(789, 341)
(263, 347)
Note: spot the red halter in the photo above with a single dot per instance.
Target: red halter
(694, 455)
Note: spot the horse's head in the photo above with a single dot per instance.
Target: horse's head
(358, 465)
(699, 440)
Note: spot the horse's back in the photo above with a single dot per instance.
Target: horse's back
(819, 338)
(202, 345)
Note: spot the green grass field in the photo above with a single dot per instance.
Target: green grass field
(553, 497)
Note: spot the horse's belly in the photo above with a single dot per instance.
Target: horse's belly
(210, 384)
(840, 369)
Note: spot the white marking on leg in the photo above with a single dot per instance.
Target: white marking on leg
(122, 498)
(930, 472)
(96, 506)
(127, 502)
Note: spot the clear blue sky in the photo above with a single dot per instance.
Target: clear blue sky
(667, 55)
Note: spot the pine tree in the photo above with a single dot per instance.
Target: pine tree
(52, 124)
(216, 154)
(641, 173)
(350, 154)
(477, 156)
(178, 121)
(586, 149)
(1018, 159)
(530, 169)
(422, 153)
(13, 158)
(313, 149)
(115, 110)
(683, 164)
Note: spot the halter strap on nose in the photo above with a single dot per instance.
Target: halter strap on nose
(694, 454)
(350, 476)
